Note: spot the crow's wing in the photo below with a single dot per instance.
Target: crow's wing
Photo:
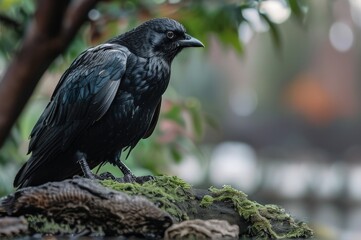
(154, 121)
(82, 96)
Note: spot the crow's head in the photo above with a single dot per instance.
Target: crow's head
(158, 37)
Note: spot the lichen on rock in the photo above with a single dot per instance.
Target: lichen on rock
(266, 221)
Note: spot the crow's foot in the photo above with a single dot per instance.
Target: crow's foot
(106, 175)
(131, 178)
(143, 179)
(93, 176)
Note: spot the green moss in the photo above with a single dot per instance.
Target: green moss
(164, 191)
(207, 200)
(266, 221)
(41, 224)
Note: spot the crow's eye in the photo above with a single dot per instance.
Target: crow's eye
(170, 34)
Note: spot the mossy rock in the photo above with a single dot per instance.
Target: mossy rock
(170, 193)
(180, 200)
(266, 221)
(127, 208)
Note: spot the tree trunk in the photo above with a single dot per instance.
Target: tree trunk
(53, 27)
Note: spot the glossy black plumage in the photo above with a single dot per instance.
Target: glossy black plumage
(106, 101)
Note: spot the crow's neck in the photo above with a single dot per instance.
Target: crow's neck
(134, 41)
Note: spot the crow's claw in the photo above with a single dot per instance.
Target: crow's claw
(129, 178)
(106, 175)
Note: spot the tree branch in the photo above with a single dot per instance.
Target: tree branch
(49, 16)
(52, 29)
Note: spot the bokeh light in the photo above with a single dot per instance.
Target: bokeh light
(341, 36)
(234, 163)
(277, 11)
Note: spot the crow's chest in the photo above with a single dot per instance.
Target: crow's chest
(124, 123)
(146, 79)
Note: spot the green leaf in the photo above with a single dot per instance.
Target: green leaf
(176, 154)
(211, 121)
(175, 114)
(296, 9)
(273, 29)
(196, 116)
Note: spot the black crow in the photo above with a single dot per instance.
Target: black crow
(105, 102)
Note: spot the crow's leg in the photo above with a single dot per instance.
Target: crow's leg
(129, 176)
(84, 165)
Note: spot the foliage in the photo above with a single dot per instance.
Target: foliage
(182, 121)
(14, 15)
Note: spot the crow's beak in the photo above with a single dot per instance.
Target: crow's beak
(190, 41)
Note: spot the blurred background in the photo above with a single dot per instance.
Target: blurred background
(271, 106)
